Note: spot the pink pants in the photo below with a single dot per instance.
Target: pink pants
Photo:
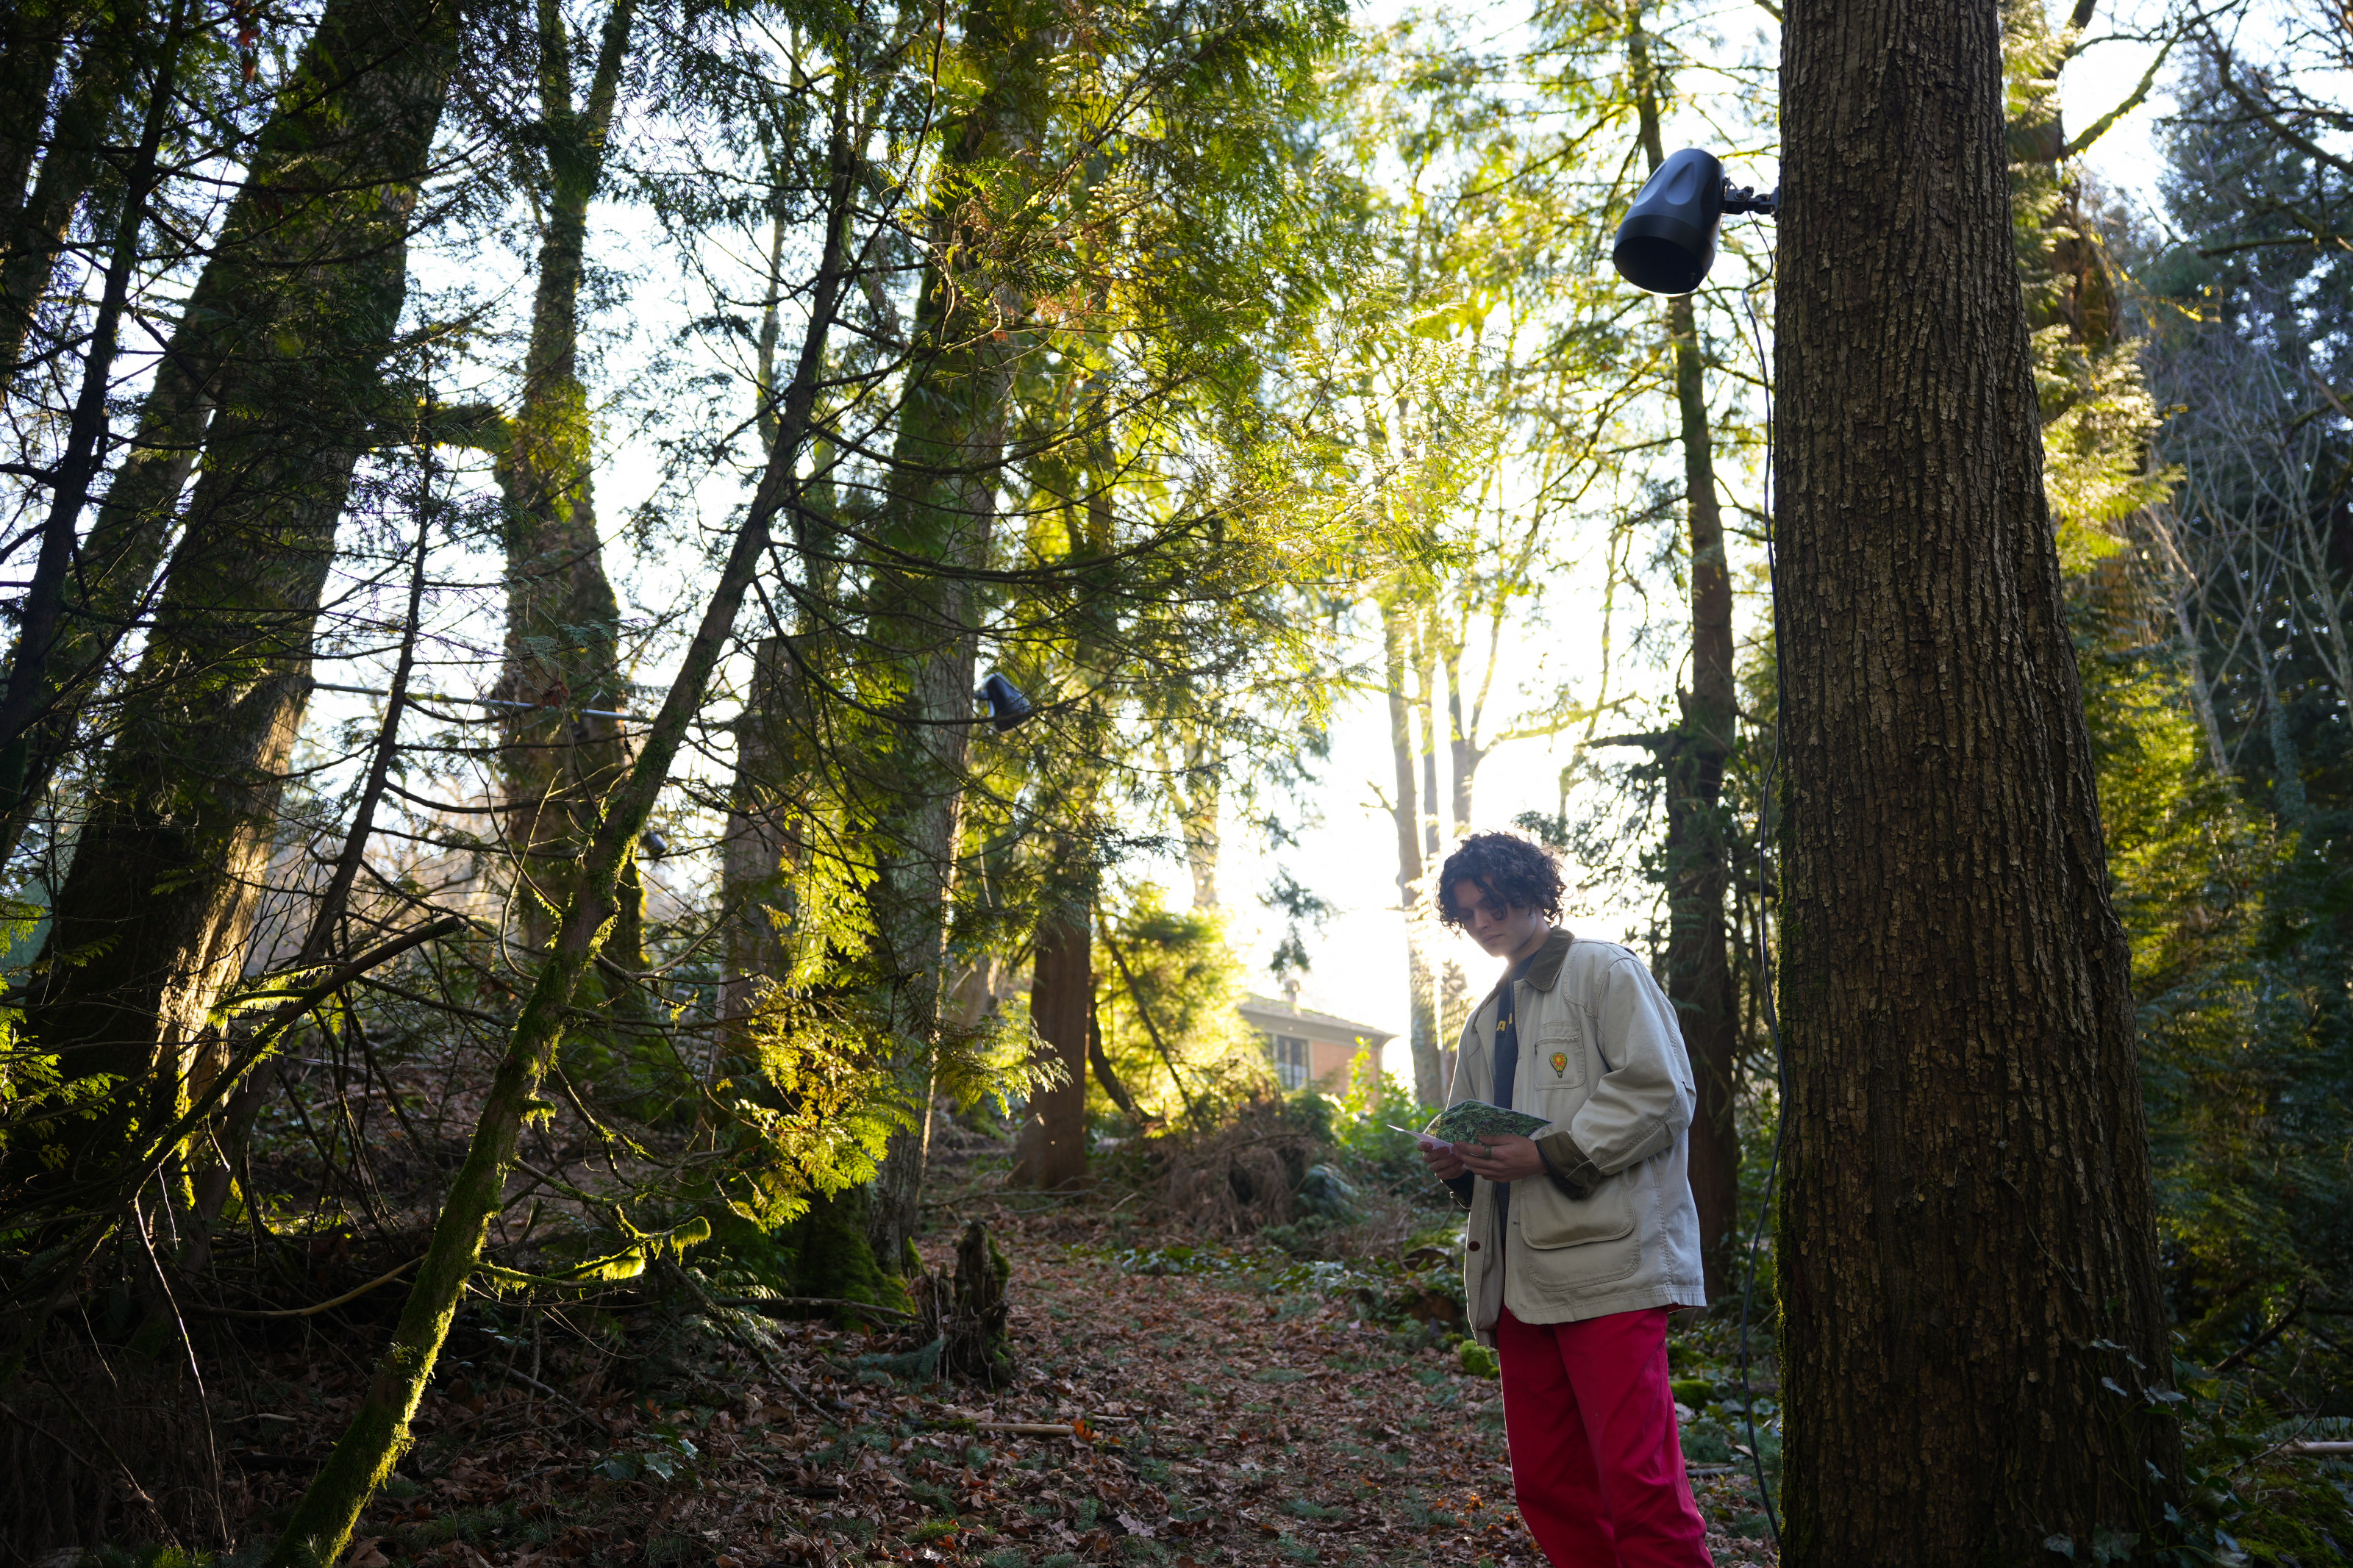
(1596, 1463)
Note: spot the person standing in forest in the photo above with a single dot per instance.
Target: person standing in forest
(1583, 1239)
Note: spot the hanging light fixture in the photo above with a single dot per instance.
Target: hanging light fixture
(1668, 241)
(1006, 707)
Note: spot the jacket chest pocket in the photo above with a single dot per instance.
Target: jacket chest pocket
(1558, 1058)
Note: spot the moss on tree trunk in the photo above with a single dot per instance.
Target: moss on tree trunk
(563, 638)
(937, 523)
(320, 1524)
(150, 920)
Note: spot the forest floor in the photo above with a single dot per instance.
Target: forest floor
(1228, 1405)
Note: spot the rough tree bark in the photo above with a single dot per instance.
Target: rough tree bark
(951, 439)
(150, 920)
(1699, 960)
(937, 523)
(1052, 1151)
(1051, 1148)
(1967, 1247)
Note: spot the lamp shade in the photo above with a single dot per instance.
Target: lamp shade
(1668, 241)
(1007, 706)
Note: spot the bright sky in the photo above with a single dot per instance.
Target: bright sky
(2125, 158)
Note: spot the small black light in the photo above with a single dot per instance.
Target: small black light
(1007, 706)
(1668, 241)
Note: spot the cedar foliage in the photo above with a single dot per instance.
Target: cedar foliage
(1189, 363)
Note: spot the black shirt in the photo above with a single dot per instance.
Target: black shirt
(1505, 1046)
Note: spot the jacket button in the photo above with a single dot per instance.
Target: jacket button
(1475, 1247)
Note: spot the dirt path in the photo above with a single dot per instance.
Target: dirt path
(1228, 1407)
(1257, 1415)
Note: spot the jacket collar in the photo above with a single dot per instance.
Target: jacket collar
(1544, 970)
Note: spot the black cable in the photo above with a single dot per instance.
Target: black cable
(1763, 946)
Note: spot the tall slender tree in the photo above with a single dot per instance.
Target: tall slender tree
(1406, 811)
(86, 115)
(563, 636)
(1051, 1149)
(1692, 755)
(1974, 1343)
(320, 1525)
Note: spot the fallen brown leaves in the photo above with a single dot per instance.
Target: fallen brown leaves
(1215, 1420)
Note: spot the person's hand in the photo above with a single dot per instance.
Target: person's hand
(1443, 1162)
(1501, 1157)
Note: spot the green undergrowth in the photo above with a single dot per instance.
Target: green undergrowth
(2265, 1502)
(824, 1253)
(1733, 1428)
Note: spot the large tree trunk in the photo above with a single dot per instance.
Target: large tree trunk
(1699, 960)
(151, 919)
(564, 621)
(1052, 1151)
(1967, 1247)
(951, 439)
(206, 361)
(940, 510)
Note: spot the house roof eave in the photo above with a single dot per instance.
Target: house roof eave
(1271, 1013)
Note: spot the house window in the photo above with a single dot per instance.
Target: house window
(1290, 1054)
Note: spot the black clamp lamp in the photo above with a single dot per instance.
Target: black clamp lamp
(1668, 241)
(1006, 707)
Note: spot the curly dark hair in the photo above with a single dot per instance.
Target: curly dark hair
(1517, 870)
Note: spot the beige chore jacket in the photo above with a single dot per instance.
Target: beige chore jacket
(1602, 1060)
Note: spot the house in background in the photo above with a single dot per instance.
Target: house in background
(1309, 1047)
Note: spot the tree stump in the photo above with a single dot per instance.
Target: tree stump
(965, 1309)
